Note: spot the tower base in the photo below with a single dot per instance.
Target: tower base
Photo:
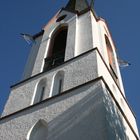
(86, 112)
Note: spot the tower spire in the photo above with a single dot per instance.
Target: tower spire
(77, 5)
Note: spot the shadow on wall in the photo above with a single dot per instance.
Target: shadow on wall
(114, 119)
(95, 116)
(78, 121)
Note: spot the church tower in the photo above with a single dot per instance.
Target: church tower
(71, 87)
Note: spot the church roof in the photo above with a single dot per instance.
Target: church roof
(77, 5)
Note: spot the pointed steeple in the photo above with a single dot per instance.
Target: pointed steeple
(77, 5)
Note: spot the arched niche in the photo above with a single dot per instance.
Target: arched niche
(40, 91)
(57, 47)
(57, 83)
(39, 131)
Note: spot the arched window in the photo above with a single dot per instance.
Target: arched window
(39, 131)
(56, 54)
(57, 83)
(111, 58)
(40, 91)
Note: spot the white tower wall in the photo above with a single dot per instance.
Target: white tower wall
(81, 98)
(85, 112)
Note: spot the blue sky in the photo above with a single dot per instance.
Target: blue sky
(29, 16)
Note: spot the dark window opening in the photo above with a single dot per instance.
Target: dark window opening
(42, 93)
(57, 83)
(60, 86)
(56, 54)
(111, 58)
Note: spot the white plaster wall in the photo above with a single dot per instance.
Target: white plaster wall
(38, 66)
(129, 131)
(83, 34)
(79, 114)
(76, 72)
(71, 39)
(103, 49)
(115, 121)
(62, 114)
(32, 58)
(98, 40)
(70, 21)
(102, 71)
(105, 31)
(99, 30)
